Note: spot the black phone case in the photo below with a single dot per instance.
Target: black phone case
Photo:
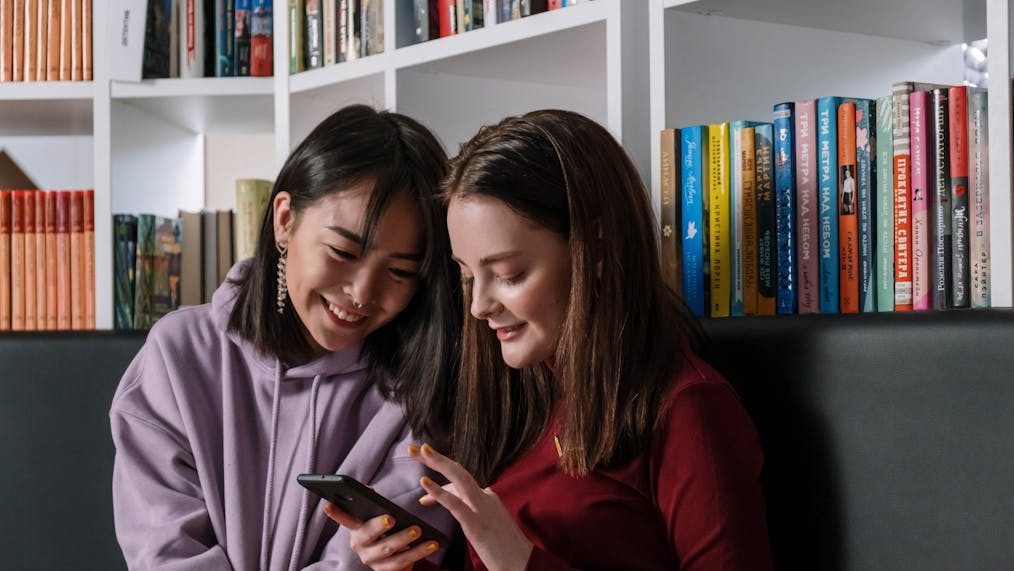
(364, 504)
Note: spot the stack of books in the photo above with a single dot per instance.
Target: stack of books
(46, 40)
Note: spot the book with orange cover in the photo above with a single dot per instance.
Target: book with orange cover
(75, 40)
(5, 260)
(76, 260)
(7, 42)
(89, 258)
(848, 222)
(18, 260)
(40, 261)
(86, 40)
(29, 217)
(53, 41)
(51, 257)
(65, 39)
(18, 37)
(31, 33)
(63, 260)
(41, 43)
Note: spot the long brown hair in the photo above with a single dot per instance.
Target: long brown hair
(624, 328)
(413, 357)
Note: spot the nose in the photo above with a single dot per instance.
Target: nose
(484, 305)
(365, 284)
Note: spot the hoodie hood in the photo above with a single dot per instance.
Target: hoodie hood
(331, 363)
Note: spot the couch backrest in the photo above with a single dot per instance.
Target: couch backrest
(889, 438)
(56, 480)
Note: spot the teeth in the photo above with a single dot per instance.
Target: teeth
(342, 315)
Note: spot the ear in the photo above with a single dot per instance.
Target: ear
(283, 217)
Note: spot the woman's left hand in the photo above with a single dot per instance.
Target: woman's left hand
(491, 530)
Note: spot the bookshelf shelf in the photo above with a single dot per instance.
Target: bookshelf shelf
(337, 74)
(198, 87)
(47, 90)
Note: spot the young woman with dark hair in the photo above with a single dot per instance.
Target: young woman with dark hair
(587, 434)
(305, 361)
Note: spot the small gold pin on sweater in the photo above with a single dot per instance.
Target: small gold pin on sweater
(559, 449)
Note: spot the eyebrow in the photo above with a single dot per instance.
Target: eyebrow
(350, 235)
(493, 259)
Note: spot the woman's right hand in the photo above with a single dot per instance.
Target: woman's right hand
(390, 553)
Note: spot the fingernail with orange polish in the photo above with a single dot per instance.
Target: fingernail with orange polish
(427, 449)
(385, 521)
(426, 481)
(413, 449)
(413, 533)
(431, 547)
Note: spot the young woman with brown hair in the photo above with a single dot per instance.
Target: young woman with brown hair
(587, 434)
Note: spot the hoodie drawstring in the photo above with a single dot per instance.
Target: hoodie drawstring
(311, 467)
(267, 529)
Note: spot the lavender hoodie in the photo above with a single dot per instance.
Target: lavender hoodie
(210, 436)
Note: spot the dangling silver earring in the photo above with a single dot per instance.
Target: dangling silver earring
(283, 289)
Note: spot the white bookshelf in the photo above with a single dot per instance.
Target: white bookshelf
(636, 66)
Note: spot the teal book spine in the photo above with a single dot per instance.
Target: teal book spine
(884, 199)
(866, 171)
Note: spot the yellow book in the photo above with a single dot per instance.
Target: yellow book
(718, 213)
(749, 266)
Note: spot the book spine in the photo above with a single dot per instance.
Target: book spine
(53, 41)
(87, 53)
(52, 257)
(225, 38)
(735, 213)
(902, 198)
(296, 63)
(18, 35)
(421, 19)
(330, 29)
(767, 243)
(719, 225)
(241, 36)
(373, 27)
(88, 199)
(63, 267)
(66, 39)
(7, 44)
(354, 43)
(161, 297)
(668, 209)
(191, 275)
(978, 180)
(314, 47)
(191, 46)
(749, 217)
(76, 67)
(144, 271)
(5, 260)
(40, 261)
(920, 183)
(941, 202)
(41, 43)
(866, 173)
(124, 258)
(29, 261)
(848, 224)
(261, 44)
(827, 161)
(958, 113)
(884, 198)
(694, 210)
(807, 243)
(785, 203)
(18, 260)
(448, 13)
(76, 261)
(31, 32)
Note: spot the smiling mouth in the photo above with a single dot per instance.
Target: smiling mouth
(345, 315)
(508, 333)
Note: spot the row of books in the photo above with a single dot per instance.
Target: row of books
(208, 38)
(47, 260)
(160, 264)
(840, 205)
(441, 18)
(46, 40)
(326, 32)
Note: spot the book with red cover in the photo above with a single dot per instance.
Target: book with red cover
(18, 260)
(958, 114)
(29, 217)
(5, 260)
(40, 261)
(63, 270)
(261, 57)
(447, 17)
(848, 221)
(76, 260)
(89, 258)
(51, 262)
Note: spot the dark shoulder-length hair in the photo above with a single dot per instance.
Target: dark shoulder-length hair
(413, 357)
(624, 327)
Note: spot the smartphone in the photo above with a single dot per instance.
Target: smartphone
(362, 503)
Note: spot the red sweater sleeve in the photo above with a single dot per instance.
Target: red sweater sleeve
(707, 466)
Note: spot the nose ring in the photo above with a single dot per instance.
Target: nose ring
(356, 304)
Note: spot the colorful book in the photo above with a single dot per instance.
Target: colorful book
(957, 112)
(669, 214)
(191, 43)
(41, 322)
(5, 260)
(848, 222)
(425, 19)
(29, 238)
(785, 207)
(866, 184)
(296, 15)
(373, 27)
(748, 143)
(720, 223)
(52, 263)
(63, 262)
(314, 31)
(225, 38)
(261, 48)
(695, 216)
(767, 240)
(807, 219)
(978, 181)
(124, 259)
(89, 258)
(884, 199)
(902, 198)
(160, 40)
(144, 271)
(920, 185)
(736, 190)
(165, 280)
(827, 187)
(242, 35)
(77, 261)
(18, 260)
(940, 254)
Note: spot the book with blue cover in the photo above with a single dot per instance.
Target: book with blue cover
(785, 207)
(827, 196)
(866, 179)
(694, 216)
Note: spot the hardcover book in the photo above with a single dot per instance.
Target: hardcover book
(978, 180)
(785, 207)
(124, 259)
(884, 198)
(866, 182)
(920, 185)
(694, 210)
(807, 220)
(958, 114)
(767, 246)
(719, 225)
